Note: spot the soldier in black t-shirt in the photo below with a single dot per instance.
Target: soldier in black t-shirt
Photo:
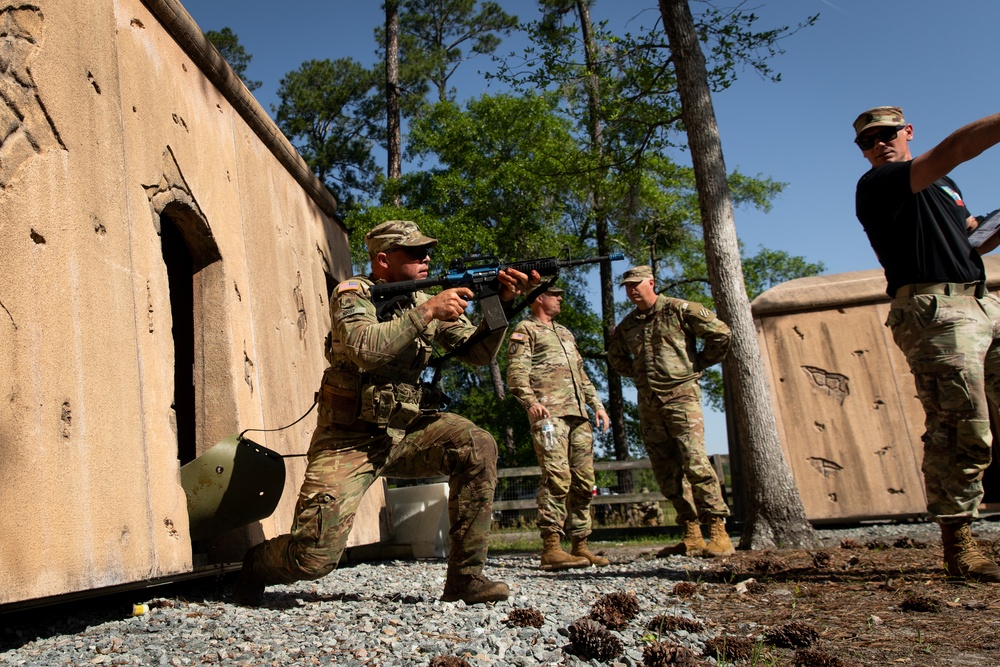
(941, 316)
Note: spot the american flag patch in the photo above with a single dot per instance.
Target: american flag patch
(517, 336)
(348, 286)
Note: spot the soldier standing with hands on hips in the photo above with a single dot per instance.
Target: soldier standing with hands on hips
(941, 316)
(656, 345)
(547, 376)
(374, 420)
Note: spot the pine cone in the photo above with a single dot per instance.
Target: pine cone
(662, 654)
(525, 617)
(791, 635)
(591, 640)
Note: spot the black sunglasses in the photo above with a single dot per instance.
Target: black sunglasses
(885, 135)
(418, 253)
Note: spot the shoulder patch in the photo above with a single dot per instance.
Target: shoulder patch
(517, 336)
(348, 286)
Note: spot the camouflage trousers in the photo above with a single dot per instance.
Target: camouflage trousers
(566, 458)
(673, 430)
(343, 464)
(950, 343)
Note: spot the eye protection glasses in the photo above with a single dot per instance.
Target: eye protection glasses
(417, 254)
(885, 135)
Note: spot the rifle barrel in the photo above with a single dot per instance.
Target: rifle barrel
(406, 286)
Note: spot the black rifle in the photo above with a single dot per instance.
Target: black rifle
(480, 273)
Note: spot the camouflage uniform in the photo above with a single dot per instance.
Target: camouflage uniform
(546, 367)
(371, 422)
(658, 349)
(949, 345)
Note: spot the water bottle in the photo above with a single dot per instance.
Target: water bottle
(545, 431)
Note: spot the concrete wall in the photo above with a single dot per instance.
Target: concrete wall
(122, 130)
(848, 416)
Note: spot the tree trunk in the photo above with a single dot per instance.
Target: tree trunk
(775, 515)
(616, 402)
(394, 143)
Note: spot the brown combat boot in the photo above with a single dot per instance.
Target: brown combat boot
(249, 587)
(718, 539)
(962, 557)
(473, 589)
(691, 544)
(554, 558)
(582, 550)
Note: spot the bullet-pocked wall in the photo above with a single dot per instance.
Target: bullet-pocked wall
(164, 284)
(848, 416)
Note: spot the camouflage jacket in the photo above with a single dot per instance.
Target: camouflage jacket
(658, 348)
(546, 367)
(375, 367)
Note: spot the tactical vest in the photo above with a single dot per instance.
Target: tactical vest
(388, 397)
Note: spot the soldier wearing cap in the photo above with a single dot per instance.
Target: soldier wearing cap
(941, 316)
(546, 374)
(374, 420)
(656, 345)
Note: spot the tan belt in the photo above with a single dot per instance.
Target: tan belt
(976, 289)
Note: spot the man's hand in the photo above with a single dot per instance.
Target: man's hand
(536, 412)
(602, 420)
(447, 306)
(513, 282)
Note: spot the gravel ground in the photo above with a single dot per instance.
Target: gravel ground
(384, 613)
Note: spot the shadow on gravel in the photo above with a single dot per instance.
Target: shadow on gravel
(280, 600)
(21, 627)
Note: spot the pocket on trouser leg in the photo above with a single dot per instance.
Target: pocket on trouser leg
(944, 390)
(319, 538)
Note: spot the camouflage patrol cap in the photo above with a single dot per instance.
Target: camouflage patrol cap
(879, 117)
(394, 234)
(637, 274)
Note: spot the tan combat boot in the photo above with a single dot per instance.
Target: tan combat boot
(554, 558)
(718, 539)
(962, 557)
(473, 589)
(691, 544)
(582, 550)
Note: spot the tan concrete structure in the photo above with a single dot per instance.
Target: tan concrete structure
(167, 258)
(845, 402)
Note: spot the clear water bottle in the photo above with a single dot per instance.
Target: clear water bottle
(545, 432)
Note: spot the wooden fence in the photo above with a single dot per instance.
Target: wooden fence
(719, 461)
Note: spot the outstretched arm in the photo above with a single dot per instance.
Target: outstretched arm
(960, 146)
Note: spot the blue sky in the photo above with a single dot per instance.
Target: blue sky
(936, 60)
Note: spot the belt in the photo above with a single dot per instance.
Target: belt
(976, 289)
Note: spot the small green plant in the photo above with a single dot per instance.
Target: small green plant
(761, 657)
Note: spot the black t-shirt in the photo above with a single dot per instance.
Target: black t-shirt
(918, 238)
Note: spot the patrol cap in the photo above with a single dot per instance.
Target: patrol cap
(879, 117)
(554, 291)
(394, 234)
(637, 274)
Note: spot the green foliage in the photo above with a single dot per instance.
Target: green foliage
(435, 37)
(527, 174)
(228, 44)
(326, 110)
